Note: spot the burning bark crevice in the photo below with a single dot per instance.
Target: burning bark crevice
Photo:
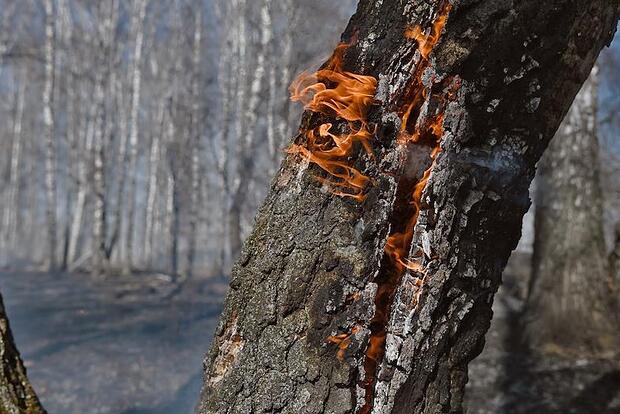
(307, 273)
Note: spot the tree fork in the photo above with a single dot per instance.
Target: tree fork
(298, 320)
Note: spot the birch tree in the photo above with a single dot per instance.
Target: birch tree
(367, 283)
(136, 79)
(11, 206)
(50, 139)
(196, 144)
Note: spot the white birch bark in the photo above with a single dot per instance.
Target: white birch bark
(50, 144)
(66, 34)
(11, 206)
(98, 248)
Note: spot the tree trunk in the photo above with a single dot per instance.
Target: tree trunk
(136, 73)
(50, 141)
(152, 186)
(570, 297)
(65, 34)
(196, 145)
(16, 393)
(318, 318)
(11, 208)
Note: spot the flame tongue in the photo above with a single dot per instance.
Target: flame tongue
(335, 92)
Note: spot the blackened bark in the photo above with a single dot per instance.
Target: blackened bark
(16, 394)
(570, 300)
(507, 72)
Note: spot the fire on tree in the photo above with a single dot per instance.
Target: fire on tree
(367, 283)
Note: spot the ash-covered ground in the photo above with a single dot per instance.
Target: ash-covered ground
(134, 345)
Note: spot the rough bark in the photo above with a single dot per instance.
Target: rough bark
(570, 297)
(16, 394)
(311, 269)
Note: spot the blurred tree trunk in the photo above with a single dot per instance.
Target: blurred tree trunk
(313, 287)
(84, 161)
(16, 393)
(136, 81)
(11, 206)
(50, 139)
(196, 145)
(103, 126)
(68, 58)
(246, 125)
(154, 157)
(570, 297)
(116, 237)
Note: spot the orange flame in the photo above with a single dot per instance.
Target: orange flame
(335, 92)
(426, 43)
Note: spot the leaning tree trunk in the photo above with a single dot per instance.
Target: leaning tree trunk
(16, 393)
(569, 303)
(367, 283)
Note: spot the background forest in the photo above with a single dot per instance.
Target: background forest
(137, 140)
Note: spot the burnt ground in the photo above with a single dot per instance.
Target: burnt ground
(134, 345)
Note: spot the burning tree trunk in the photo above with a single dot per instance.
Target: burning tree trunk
(570, 297)
(16, 393)
(367, 283)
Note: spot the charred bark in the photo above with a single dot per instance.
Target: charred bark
(313, 288)
(569, 304)
(16, 393)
